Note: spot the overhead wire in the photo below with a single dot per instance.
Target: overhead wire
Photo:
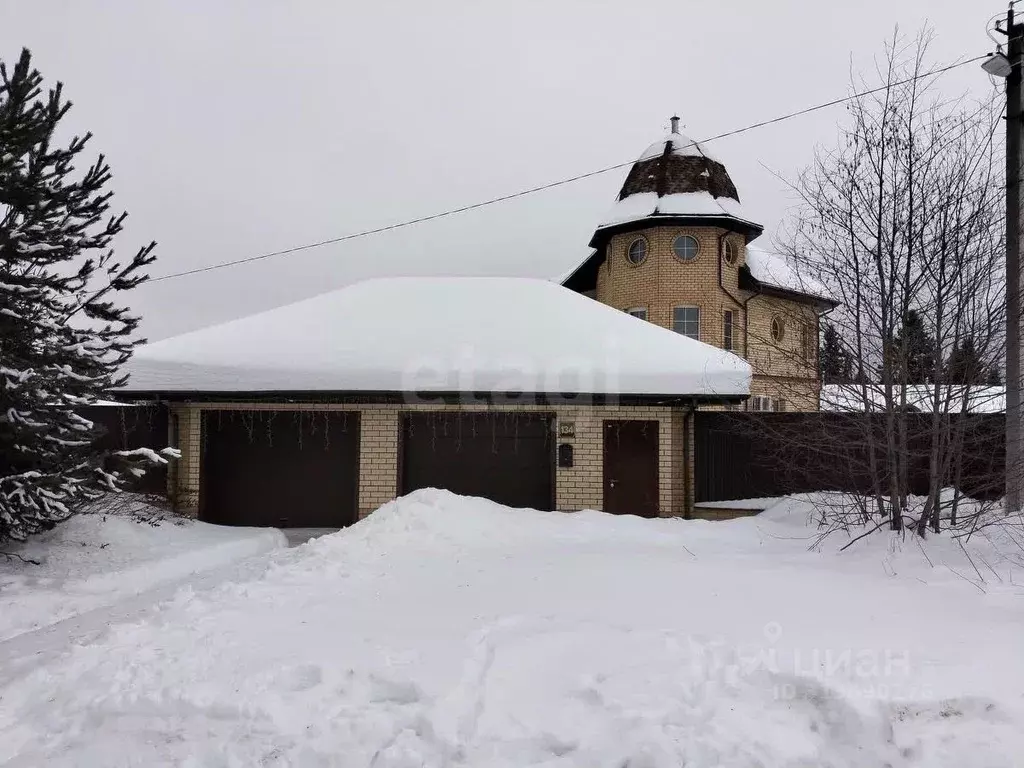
(553, 184)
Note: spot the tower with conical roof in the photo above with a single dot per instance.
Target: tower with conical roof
(674, 249)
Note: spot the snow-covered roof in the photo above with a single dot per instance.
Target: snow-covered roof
(423, 334)
(773, 269)
(682, 145)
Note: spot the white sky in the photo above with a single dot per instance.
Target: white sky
(240, 127)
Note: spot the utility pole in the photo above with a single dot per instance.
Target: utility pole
(1014, 106)
(1009, 66)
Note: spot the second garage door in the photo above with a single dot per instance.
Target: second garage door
(508, 458)
(286, 469)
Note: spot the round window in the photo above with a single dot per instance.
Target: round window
(637, 252)
(730, 253)
(778, 329)
(685, 248)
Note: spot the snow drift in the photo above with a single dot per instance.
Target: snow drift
(451, 631)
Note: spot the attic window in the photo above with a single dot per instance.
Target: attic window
(685, 247)
(778, 329)
(636, 254)
(730, 253)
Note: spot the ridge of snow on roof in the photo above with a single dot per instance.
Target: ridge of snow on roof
(774, 269)
(423, 334)
(644, 205)
(682, 145)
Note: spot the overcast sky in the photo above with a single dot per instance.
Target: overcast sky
(237, 128)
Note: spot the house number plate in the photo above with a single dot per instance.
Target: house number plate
(567, 429)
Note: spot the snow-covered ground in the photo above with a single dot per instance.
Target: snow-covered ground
(449, 631)
(95, 560)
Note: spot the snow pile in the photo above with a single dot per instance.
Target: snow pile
(449, 631)
(441, 335)
(94, 560)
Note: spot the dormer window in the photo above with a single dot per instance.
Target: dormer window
(636, 253)
(685, 247)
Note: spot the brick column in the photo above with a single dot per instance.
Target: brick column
(378, 459)
(185, 492)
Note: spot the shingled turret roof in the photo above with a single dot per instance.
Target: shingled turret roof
(676, 180)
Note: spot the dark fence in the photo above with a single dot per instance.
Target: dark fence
(753, 455)
(133, 426)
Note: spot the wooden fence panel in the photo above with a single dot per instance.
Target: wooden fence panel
(752, 455)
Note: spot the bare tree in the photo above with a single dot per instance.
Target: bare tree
(904, 224)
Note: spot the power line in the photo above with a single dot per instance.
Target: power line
(553, 184)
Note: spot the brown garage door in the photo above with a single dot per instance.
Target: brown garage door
(286, 469)
(507, 458)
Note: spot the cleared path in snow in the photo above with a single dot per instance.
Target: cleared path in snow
(40, 646)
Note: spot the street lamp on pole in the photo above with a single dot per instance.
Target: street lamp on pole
(997, 65)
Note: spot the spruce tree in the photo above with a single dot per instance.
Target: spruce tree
(965, 365)
(913, 351)
(835, 362)
(63, 337)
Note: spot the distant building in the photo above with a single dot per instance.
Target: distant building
(675, 250)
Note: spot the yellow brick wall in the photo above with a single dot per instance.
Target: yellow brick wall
(577, 487)
(784, 358)
(799, 394)
(663, 282)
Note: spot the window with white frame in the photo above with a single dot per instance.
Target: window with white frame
(808, 342)
(686, 320)
(763, 403)
(727, 330)
(639, 312)
(685, 247)
(636, 253)
(729, 253)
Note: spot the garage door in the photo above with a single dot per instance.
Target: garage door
(286, 469)
(507, 458)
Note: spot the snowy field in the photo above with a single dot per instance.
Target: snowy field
(446, 631)
(95, 560)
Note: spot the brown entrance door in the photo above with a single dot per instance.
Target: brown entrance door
(631, 468)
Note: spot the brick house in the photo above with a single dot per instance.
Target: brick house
(522, 391)
(675, 250)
